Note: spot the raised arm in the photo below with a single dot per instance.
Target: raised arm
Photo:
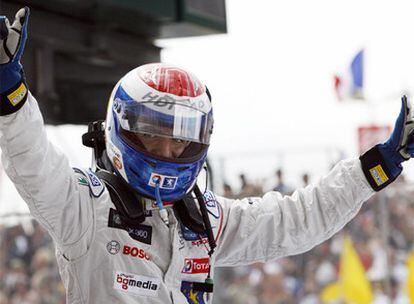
(259, 229)
(41, 173)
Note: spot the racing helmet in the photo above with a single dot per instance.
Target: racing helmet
(158, 100)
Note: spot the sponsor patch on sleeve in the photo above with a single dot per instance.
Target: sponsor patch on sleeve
(212, 204)
(378, 175)
(17, 95)
(89, 178)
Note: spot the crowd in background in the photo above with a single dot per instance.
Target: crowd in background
(28, 270)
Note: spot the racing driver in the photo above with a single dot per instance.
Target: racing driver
(136, 228)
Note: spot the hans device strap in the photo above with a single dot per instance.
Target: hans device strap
(95, 139)
(188, 214)
(131, 208)
(128, 203)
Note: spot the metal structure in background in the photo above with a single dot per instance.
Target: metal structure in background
(78, 49)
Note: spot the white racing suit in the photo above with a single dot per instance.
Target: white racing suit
(101, 261)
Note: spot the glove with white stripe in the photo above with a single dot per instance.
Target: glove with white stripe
(13, 88)
(382, 164)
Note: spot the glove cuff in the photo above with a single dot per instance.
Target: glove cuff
(14, 98)
(377, 170)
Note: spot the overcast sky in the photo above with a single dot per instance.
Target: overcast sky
(271, 78)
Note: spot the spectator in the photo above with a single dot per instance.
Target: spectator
(227, 190)
(305, 179)
(247, 188)
(281, 186)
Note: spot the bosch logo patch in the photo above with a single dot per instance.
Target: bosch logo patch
(113, 247)
(192, 266)
(135, 252)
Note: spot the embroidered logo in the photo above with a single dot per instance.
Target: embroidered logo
(378, 175)
(141, 233)
(136, 284)
(113, 247)
(192, 266)
(82, 181)
(18, 95)
(165, 182)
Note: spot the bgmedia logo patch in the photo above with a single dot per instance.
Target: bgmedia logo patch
(165, 182)
(136, 284)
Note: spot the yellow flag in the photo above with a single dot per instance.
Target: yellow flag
(331, 293)
(354, 285)
(410, 278)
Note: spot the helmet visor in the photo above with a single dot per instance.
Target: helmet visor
(171, 120)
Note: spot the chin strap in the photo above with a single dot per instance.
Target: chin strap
(163, 212)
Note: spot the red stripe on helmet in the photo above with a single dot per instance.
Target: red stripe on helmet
(172, 80)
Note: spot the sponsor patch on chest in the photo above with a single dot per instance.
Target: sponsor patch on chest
(196, 265)
(141, 232)
(136, 284)
(193, 296)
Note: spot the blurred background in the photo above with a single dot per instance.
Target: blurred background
(296, 85)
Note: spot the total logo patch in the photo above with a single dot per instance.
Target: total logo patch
(191, 266)
(136, 284)
(165, 182)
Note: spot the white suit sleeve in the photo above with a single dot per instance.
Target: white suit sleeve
(260, 229)
(43, 177)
